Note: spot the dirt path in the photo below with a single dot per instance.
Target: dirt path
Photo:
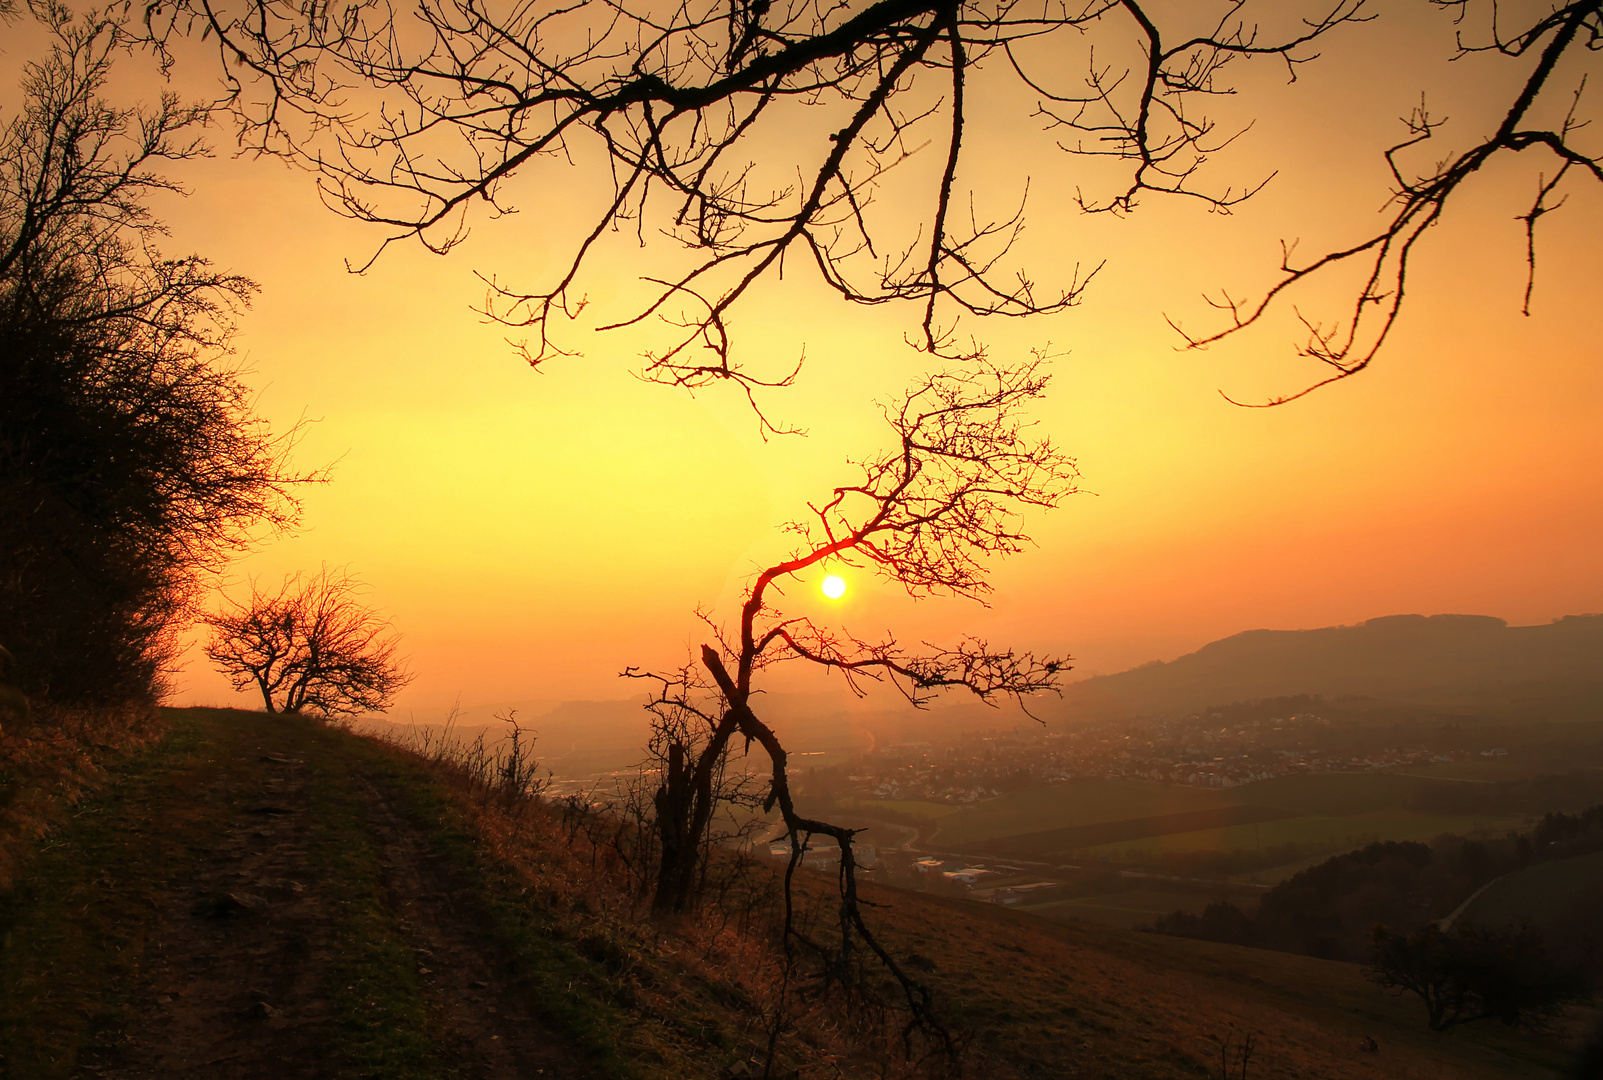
(238, 954)
(303, 927)
(484, 1027)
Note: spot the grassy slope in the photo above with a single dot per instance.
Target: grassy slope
(76, 926)
(1038, 999)
(1541, 892)
(48, 764)
(1114, 1003)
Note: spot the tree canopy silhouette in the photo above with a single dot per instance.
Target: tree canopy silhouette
(1472, 973)
(759, 135)
(310, 648)
(131, 461)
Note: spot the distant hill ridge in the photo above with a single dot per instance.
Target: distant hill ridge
(1465, 664)
(1471, 663)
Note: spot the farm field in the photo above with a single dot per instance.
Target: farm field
(1541, 893)
(1332, 833)
(1330, 794)
(1036, 812)
(1064, 843)
(1076, 803)
(1302, 819)
(909, 808)
(1127, 909)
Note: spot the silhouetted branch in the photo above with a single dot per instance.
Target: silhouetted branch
(413, 117)
(1418, 203)
(927, 515)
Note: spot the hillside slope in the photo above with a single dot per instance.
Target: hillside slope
(267, 897)
(1556, 897)
(1050, 996)
(251, 899)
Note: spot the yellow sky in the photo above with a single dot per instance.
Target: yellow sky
(531, 534)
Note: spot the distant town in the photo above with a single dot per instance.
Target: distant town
(1200, 750)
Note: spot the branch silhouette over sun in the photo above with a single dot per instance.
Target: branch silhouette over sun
(927, 515)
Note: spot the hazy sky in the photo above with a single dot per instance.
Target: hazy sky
(532, 533)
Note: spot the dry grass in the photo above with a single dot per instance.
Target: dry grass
(1028, 998)
(711, 991)
(1091, 1001)
(50, 762)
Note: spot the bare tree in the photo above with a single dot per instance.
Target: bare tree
(699, 802)
(132, 464)
(926, 514)
(311, 648)
(751, 133)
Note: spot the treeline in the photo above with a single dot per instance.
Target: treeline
(1330, 910)
(132, 464)
(1561, 836)
(1224, 864)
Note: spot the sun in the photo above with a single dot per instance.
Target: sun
(834, 587)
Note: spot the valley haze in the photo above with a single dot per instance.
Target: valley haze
(1474, 666)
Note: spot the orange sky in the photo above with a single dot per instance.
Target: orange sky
(531, 534)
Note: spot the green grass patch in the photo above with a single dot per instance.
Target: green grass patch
(74, 925)
(567, 979)
(1328, 833)
(379, 1004)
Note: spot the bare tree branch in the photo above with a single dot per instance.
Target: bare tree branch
(1569, 31)
(414, 117)
(928, 515)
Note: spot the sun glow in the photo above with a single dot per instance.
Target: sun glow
(834, 587)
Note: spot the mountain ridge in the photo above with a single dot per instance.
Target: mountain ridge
(1474, 663)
